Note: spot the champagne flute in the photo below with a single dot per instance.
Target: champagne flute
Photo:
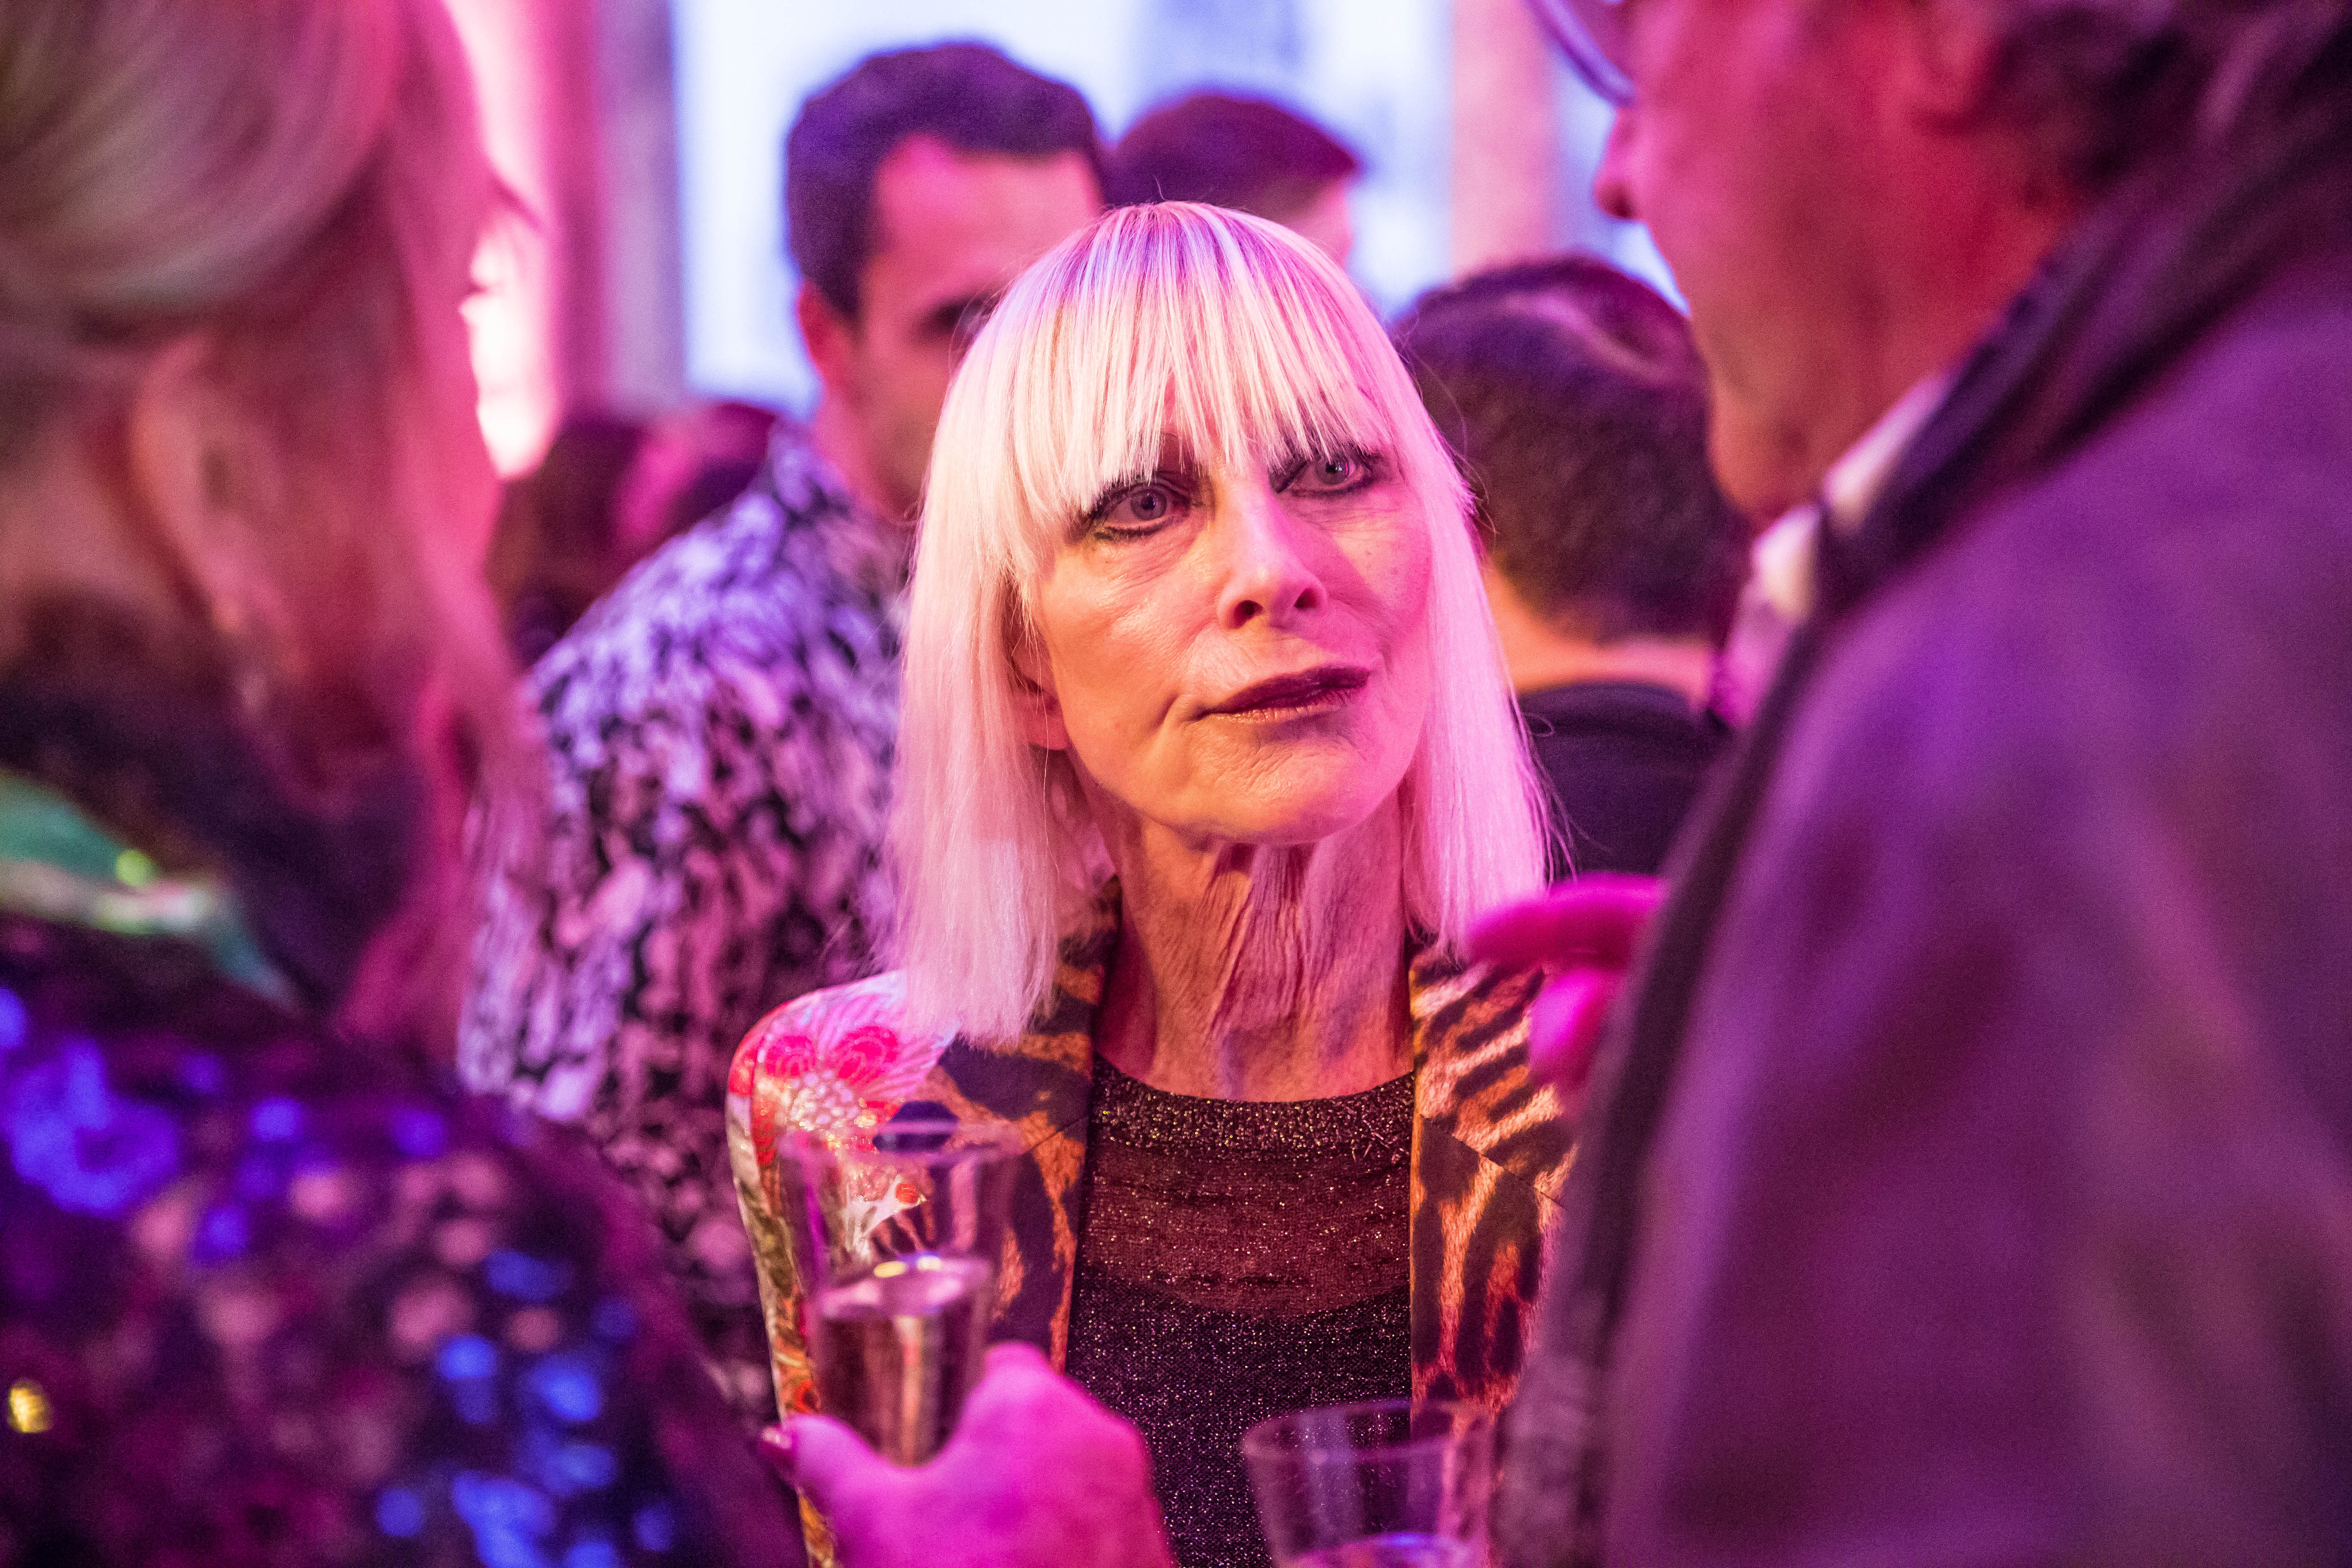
(1383, 1484)
(898, 1239)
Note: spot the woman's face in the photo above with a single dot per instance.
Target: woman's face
(1239, 655)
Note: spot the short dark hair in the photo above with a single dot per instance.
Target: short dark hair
(1575, 400)
(1247, 154)
(971, 96)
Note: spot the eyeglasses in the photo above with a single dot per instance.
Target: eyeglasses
(1592, 34)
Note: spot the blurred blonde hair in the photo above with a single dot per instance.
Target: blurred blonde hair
(301, 183)
(1239, 340)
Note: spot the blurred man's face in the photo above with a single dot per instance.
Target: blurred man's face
(1748, 151)
(951, 230)
(1326, 221)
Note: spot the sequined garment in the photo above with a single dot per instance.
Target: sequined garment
(1489, 1150)
(1240, 1260)
(719, 731)
(272, 1298)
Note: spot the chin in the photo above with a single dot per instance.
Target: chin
(1294, 819)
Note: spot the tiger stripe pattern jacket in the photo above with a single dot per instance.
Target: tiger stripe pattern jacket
(1490, 1151)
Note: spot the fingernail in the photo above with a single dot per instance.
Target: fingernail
(776, 1447)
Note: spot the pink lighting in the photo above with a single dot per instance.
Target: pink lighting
(514, 319)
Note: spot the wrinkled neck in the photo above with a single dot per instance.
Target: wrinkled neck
(1260, 972)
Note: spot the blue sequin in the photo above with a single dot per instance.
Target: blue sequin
(469, 1364)
(419, 1133)
(261, 1176)
(223, 1235)
(510, 1519)
(466, 1358)
(92, 1151)
(656, 1527)
(15, 1024)
(525, 1277)
(399, 1512)
(613, 1320)
(585, 1468)
(278, 1120)
(592, 1553)
(567, 1385)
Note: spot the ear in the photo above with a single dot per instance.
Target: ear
(831, 339)
(204, 474)
(1034, 697)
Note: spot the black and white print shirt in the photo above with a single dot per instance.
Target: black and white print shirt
(720, 734)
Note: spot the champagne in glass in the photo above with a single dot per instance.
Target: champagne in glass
(894, 1242)
(901, 1347)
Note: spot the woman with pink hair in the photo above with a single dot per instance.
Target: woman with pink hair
(1207, 761)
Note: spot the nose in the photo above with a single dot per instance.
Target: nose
(1612, 182)
(1263, 574)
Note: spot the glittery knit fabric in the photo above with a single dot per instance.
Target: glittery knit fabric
(1240, 1260)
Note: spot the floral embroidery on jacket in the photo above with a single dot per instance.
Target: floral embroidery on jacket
(837, 1063)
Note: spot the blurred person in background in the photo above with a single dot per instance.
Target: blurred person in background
(607, 493)
(1209, 759)
(721, 725)
(272, 1291)
(554, 549)
(1575, 402)
(1246, 153)
(1968, 1177)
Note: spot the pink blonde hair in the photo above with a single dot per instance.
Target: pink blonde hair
(1235, 336)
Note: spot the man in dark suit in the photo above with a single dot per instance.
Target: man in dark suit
(1968, 1172)
(1577, 405)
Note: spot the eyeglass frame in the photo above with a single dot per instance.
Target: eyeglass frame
(1592, 34)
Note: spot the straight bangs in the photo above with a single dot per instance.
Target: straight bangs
(1237, 343)
(1174, 324)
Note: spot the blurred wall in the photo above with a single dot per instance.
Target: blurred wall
(643, 140)
(1508, 164)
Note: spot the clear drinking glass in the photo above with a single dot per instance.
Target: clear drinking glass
(1384, 1484)
(896, 1241)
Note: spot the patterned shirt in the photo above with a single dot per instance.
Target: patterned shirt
(719, 734)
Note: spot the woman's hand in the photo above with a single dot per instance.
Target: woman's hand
(1583, 934)
(1035, 1475)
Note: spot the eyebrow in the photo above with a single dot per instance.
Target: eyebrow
(949, 317)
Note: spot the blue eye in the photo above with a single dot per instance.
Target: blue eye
(1150, 504)
(1139, 511)
(1336, 474)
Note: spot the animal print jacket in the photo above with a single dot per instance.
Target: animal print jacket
(1489, 1150)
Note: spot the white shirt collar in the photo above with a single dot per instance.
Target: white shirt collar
(1856, 479)
(1782, 557)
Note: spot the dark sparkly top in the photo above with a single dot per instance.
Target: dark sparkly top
(1241, 1260)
